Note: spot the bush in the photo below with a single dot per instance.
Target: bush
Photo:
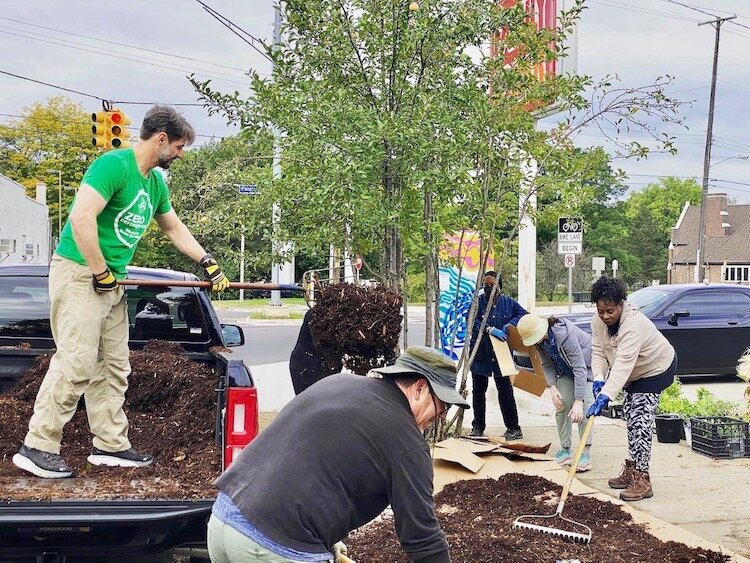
(672, 401)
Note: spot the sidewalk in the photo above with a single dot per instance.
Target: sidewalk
(707, 497)
(704, 496)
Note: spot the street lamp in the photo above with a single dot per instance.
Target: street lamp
(59, 201)
(737, 157)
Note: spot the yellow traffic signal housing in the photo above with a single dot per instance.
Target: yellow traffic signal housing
(118, 128)
(100, 129)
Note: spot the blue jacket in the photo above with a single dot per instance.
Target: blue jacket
(504, 311)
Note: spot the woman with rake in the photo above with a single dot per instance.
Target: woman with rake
(629, 354)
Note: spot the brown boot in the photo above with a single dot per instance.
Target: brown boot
(623, 480)
(639, 488)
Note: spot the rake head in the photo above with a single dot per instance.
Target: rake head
(581, 532)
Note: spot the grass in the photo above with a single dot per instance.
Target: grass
(254, 303)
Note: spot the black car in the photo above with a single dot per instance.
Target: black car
(708, 324)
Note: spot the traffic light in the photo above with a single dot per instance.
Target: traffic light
(119, 129)
(110, 129)
(100, 129)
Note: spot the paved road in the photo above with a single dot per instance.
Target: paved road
(269, 344)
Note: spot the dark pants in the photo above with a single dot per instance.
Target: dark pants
(505, 398)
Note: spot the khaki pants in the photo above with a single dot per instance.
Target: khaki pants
(92, 359)
(227, 545)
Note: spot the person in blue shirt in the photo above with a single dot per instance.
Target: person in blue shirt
(565, 351)
(503, 311)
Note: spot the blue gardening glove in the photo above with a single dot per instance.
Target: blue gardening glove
(498, 333)
(596, 409)
(597, 388)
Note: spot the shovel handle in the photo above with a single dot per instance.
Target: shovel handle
(207, 284)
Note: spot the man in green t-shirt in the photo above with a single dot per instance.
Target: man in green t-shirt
(119, 195)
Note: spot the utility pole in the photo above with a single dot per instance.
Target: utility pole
(276, 244)
(700, 254)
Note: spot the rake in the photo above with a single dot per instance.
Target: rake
(537, 521)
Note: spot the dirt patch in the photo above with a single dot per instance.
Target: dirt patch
(171, 407)
(477, 517)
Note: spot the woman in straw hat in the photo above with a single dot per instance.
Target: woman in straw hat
(565, 352)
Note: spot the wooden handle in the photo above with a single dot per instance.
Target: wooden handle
(574, 465)
(207, 284)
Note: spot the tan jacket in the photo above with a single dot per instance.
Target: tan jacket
(637, 350)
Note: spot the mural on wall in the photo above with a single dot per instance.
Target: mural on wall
(459, 267)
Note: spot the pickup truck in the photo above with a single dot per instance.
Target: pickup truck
(85, 529)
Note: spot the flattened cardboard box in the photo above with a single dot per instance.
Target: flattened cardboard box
(531, 382)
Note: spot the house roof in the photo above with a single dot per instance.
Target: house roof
(733, 248)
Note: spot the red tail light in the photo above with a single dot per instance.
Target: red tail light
(241, 421)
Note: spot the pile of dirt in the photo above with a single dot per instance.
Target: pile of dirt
(477, 517)
(171, 407)
(356, 326)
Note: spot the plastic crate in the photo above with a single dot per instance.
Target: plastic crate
(720, 437)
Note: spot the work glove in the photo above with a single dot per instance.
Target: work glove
(340, 550)
(599, 405)
(596, 387)
(498, 333)
(219, 281)
(104, 282)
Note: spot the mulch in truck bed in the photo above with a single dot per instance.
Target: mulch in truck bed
(171, 407)
(477, 517)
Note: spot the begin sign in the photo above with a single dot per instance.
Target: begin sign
(569, 235)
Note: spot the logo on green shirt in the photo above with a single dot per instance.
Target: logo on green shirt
(131, 222)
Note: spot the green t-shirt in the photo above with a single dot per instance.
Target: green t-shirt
(132, 201)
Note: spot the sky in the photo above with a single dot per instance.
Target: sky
(141, 51)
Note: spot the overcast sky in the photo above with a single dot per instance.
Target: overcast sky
(154, 44)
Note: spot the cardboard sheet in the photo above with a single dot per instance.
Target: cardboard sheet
(504, 357)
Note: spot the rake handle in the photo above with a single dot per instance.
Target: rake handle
(574, 465)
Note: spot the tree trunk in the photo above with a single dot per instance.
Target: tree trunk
(430, 282)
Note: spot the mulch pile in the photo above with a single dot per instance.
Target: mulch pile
(477, 516)
(356, 326)
(171, 406)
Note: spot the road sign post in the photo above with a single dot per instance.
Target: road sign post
(570, 243)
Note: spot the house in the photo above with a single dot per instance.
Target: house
(726, 248)
(25, 232)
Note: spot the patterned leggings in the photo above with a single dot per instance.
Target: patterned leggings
(640, 410)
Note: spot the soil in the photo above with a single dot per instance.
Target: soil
(171, 407)
(356, 326)
(477, 517)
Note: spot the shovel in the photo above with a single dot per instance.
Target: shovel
(207, 284)
(547, 523)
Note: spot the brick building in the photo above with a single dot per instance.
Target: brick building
(726, 248)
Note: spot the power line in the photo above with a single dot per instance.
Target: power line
(122, 44)
(631, 8)
(237, 30)
(694, 8)
(86, 94)
(140, 60)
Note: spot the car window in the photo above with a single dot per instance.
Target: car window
(741, 302)
(24, 307)
(648, 299)
(166, 314)
(699, 303)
